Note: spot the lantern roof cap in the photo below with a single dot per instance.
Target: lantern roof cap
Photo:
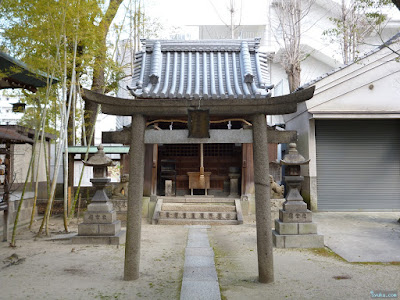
(99, 159)
(294, 157)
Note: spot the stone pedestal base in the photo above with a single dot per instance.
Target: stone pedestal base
(99, 229)
(234, 184)
(100, 240)
(100, 226)
(168, 188)
(295, 228)
(276, 206)
(296, 235)
(120, 204)
(295, 217)
(297, 241)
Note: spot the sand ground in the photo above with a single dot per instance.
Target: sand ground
(299, 273)
(59, 270)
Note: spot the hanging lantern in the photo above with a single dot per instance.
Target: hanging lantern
(18, 107)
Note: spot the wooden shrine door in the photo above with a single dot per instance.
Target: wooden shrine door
(219, 159)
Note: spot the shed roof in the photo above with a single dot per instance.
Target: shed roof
(16, 74)
(93, 149)
(11, 135)
(206, 69)
(20, 134)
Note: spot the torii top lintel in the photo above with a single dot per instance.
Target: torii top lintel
(228, 77)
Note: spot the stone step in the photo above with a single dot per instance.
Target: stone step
(198, 215)
(196, 199)
(206, 207)
(196, 222)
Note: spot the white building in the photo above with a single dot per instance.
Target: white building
(7, 116)
(350, 131)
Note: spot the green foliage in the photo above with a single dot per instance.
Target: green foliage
(44, 34)
(34, 31)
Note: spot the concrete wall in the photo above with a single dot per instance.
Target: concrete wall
(20, 162)
(24, 216)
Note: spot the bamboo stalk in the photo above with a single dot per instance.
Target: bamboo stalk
(53, 187)
(65, 136)
(83, 120)
(86, 157)
(49, 187)
(79, 205)
(38, 167)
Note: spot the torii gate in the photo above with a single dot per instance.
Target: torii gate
(237, 97)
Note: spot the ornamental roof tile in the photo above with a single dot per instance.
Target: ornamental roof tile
(206, 69)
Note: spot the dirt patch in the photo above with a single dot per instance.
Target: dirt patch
(299, 273)
(60, 270)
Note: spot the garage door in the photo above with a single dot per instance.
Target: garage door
(358, 164)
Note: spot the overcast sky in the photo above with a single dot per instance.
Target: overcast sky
(207, 12)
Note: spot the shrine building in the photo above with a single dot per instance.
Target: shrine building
(198, 71)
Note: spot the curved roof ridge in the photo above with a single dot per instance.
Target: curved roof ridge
(202, 45)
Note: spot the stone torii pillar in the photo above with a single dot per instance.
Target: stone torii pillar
(135, 195)
(262, 200)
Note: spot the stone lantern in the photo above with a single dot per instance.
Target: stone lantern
(295, 228)
(294, 201)
(100, 224)
(100, 162)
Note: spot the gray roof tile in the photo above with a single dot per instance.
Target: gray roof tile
(207, 69)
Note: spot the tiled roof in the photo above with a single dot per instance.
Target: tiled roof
(207, 69)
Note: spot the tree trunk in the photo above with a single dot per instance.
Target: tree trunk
(293, 72)
(99, 65)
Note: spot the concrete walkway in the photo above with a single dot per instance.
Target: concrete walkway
(200, 280)
(361, 236)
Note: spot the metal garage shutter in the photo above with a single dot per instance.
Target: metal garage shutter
(358, 164)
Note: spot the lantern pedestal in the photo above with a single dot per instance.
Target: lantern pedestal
(100, 224)
(295, 228)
